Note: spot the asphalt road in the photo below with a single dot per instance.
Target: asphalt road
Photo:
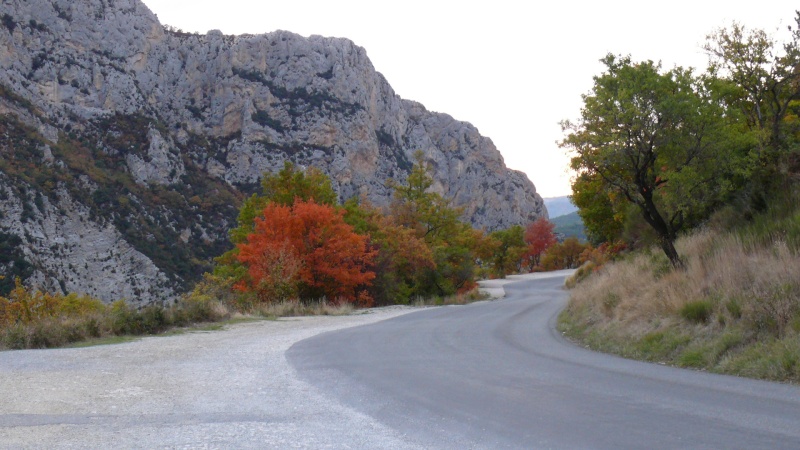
(498, 375)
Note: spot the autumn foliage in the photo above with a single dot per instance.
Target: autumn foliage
(306, 249)
(538, 237)
(25, 306)
(294, 243)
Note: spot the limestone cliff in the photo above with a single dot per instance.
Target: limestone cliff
(126, 147)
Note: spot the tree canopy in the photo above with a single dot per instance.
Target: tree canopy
(762, 76)
(306, 247)
(660, 140)
(283, 188)
(415, 206)
(538, 237)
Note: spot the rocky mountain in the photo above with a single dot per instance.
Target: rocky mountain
(126, 147)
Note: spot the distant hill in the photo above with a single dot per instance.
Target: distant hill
(559, 206)
(570, 225)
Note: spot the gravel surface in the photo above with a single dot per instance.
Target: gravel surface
(219, 389)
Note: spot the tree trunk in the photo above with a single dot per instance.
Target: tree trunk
(669, 249)
(666, 236)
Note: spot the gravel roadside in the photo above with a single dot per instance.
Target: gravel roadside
(220, 389)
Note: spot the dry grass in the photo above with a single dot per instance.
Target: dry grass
(474, 295)
(732, 297)
(286, 308)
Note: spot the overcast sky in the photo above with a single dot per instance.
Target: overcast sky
(511, 68)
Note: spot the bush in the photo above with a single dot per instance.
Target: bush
(31, 319)
(698, 311)
(581, 274)
(8, 22)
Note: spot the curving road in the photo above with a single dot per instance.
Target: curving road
(498, 375)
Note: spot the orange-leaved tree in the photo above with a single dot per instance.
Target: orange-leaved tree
(404, 261)
(283, 188)
(564, 255)
(305, 249)
(539, 237)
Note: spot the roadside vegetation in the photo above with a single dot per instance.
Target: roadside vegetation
(699, 177)
(296, 251)
(293, 242)
(33, 319)
(735, 308)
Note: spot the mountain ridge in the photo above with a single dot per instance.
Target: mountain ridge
(559, 206)
(147, 139)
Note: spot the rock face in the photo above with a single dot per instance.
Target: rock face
(127, 147)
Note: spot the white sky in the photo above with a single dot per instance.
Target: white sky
(511, 68)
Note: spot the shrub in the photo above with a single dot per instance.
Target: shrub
(75, 305)
(698, 311)
(31, 319)
(14, 337)
(581, 274)
(734, 307)
(9, 22)
(776, 306)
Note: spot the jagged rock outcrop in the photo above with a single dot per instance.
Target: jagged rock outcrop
(149, 138)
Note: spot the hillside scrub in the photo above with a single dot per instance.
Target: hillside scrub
(295, 252)
(713, 167)
(734, 309)
(33, 319)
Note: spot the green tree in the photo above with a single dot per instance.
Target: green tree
(403, 261)
(601, 214)
(290, 184)
(507, 258)
(283, 188)
(417, 207)
(760, 77)
(660, 141)
(433, 220)
(764, 75)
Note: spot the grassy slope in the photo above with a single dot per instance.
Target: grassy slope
(735, 309)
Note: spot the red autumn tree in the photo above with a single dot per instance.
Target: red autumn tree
(538, 237)
(308, 249)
